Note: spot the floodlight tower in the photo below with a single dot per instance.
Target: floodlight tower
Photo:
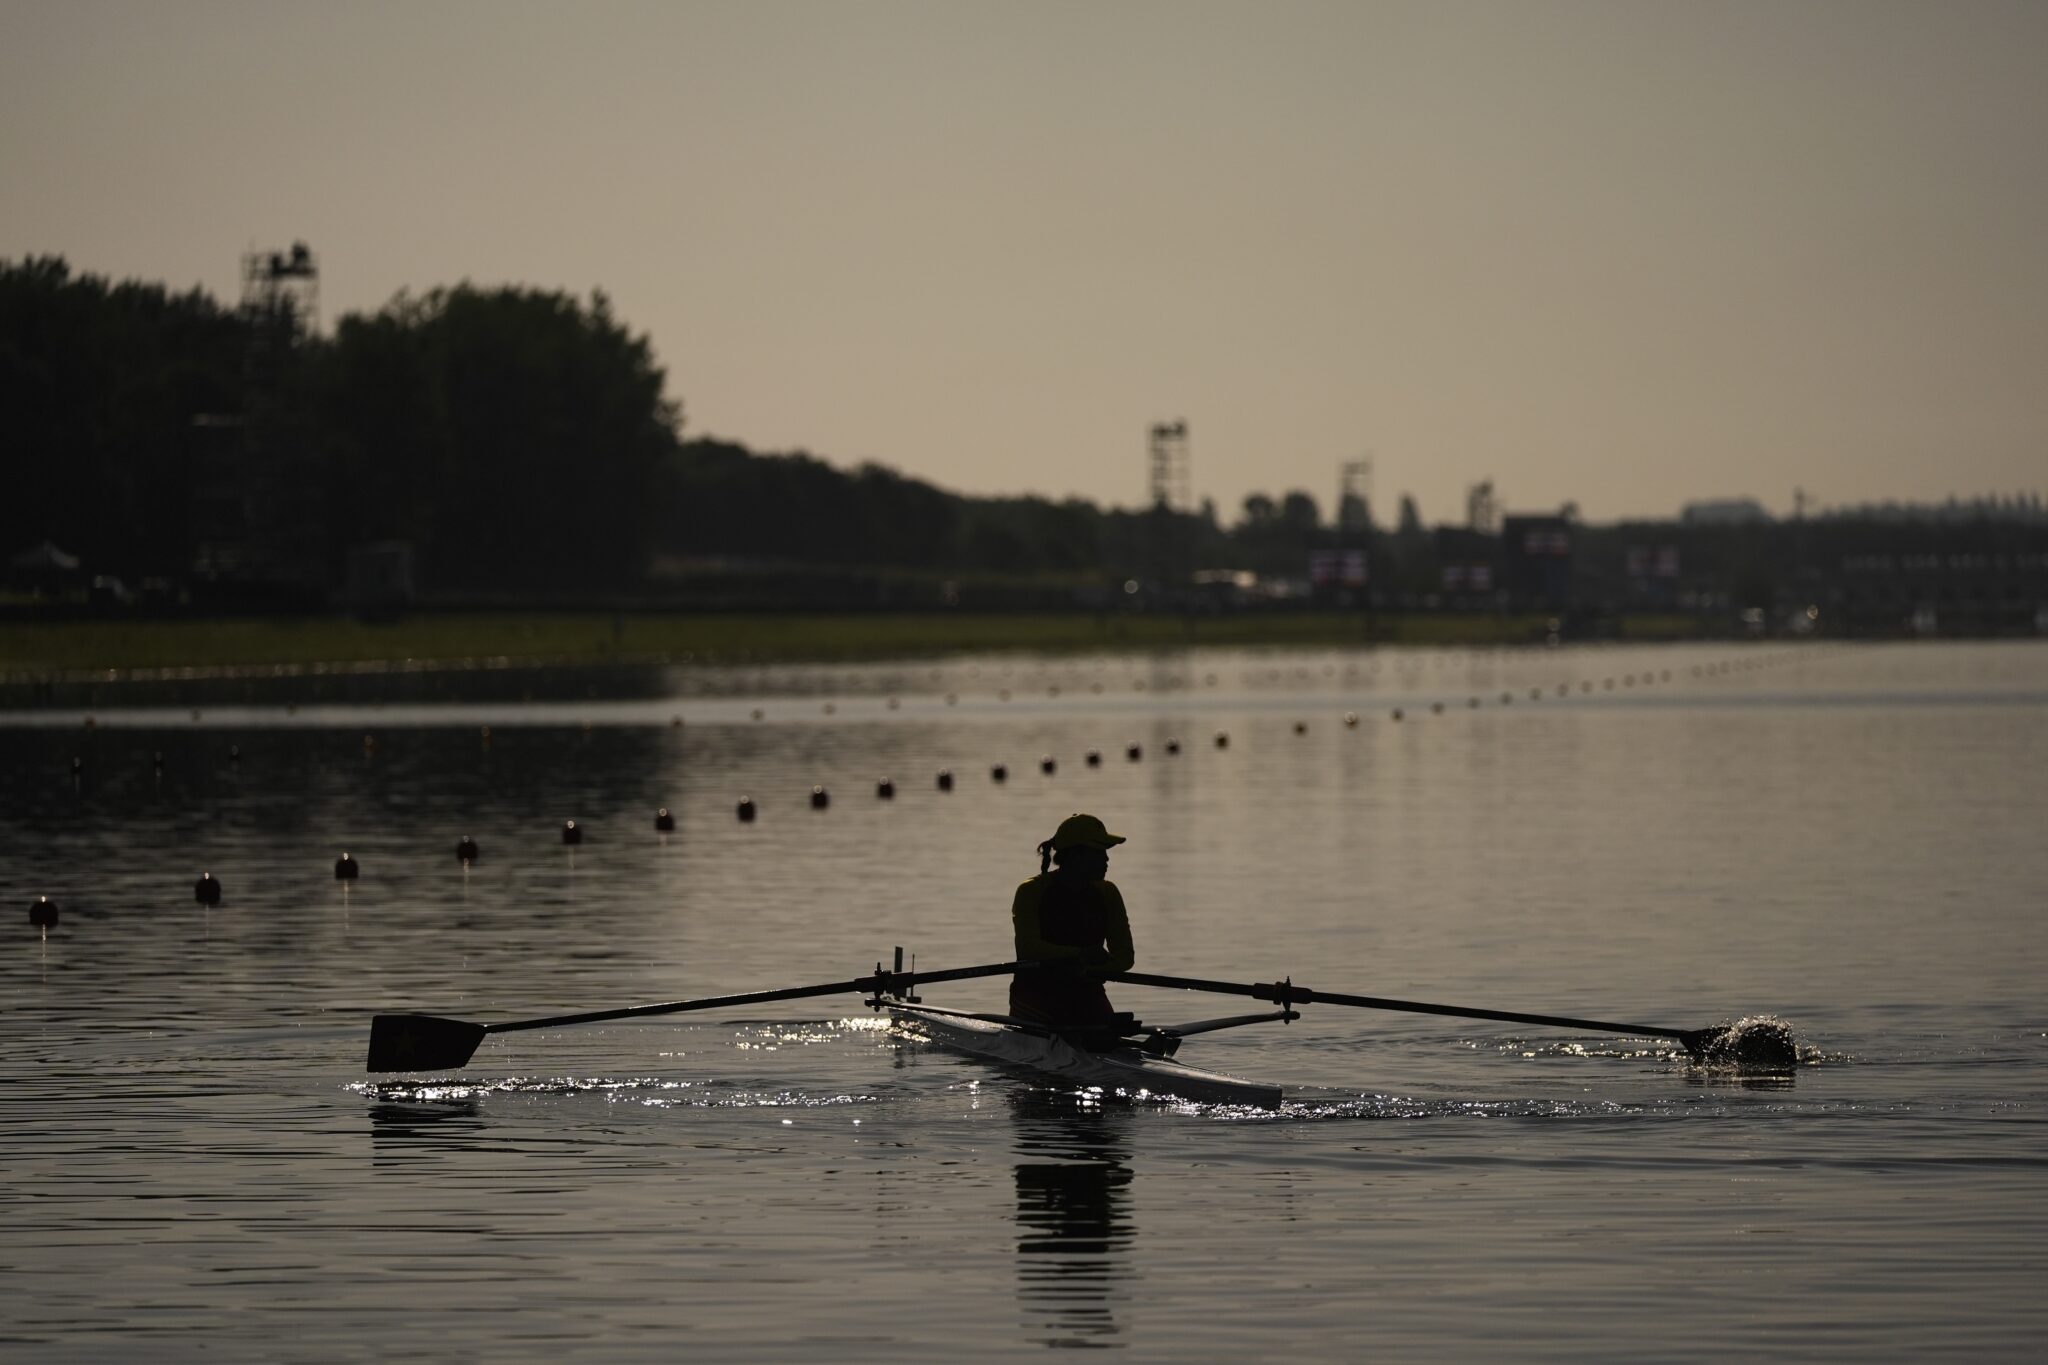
(1354, 496)
(282, 287)
(1482, 511)
(266, 526)
(1167, 453)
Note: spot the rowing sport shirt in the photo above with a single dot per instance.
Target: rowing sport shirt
(1068, 920)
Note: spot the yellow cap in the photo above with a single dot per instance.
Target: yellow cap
(1084, 831)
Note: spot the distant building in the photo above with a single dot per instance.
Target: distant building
(1725, 512)
(1536, 561)
(1465, 564)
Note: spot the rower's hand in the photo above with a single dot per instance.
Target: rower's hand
(1094, 963)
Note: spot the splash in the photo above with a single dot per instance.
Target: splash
(1753, 1043)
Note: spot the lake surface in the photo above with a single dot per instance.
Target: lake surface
(1849, 837)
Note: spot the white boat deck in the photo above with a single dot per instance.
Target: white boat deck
(1124, 1070)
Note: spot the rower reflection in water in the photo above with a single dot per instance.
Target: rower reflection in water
(1074, 1224)
(1071, 919)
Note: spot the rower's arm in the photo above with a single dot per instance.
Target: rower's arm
(1117, 926)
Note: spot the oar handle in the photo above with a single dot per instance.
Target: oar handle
(881, 982)
(1285, 993)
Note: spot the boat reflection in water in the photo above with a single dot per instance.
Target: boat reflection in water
(1074, 1226)
(407, 1129)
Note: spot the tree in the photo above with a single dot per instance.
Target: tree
(99, 386)
(515, 433)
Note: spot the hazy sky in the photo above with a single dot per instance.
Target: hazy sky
(1626, 254)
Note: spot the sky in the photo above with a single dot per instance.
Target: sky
(1624, 255)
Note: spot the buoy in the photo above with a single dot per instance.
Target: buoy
(466, 851)
(664, 823)
(1093, 758)
(572, 833)
(42, 913)
(945, 779)
(1133, 752)
(1173, 746)
(885, 789)
(820, 798)
(758, 713)
(894, 704)
(1222, 739)
(829, 708)
(999, 773)
(1535, 694)
(952, 699)
(1472, 702)
(675, 722)
(1301, 727)
(745, 809)
(206, 890)
(369, 742)
(1004, 695)
(1397, 713)
(485, 735)
(1506, 699)
(1046, 764)
(345, 869)
(90, 722)
(1351, 720)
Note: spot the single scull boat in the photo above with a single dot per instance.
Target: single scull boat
(1127, 1057)
(1131, 1060)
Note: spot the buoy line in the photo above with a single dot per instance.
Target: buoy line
(207, 890)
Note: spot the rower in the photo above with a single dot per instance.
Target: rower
(1071, 919)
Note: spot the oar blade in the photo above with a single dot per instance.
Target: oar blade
(421, 1042)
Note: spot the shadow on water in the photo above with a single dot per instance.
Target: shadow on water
(1074, 1223)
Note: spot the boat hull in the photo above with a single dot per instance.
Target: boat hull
(1123, 1070)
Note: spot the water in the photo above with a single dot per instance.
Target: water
(1847, 837)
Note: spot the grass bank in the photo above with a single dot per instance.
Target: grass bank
(604, 638)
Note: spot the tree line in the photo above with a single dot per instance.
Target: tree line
(521, 440)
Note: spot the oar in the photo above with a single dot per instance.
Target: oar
(1697, 1042)
(426, 1042)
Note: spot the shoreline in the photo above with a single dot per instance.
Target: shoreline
(79, 652)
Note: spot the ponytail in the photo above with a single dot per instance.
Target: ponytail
(1045, 857)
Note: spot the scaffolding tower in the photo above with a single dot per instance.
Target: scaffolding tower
(1167, 453)
(1482, 510)
(256, 498)
(1354, 496)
